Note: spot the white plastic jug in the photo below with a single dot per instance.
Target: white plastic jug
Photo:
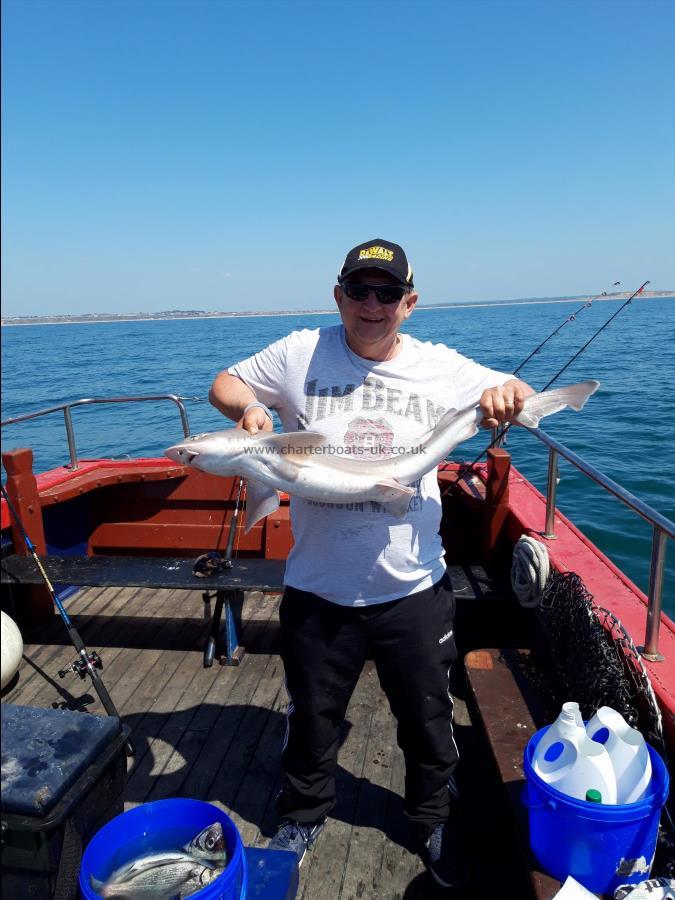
(627, 751)
(568, 760)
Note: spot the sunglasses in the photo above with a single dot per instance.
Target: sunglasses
(385, 293)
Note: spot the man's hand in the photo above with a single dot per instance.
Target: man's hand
(255, 420)
(503, 403)
(230, 395)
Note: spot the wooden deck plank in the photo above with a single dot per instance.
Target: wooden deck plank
(321, 879)
(151, 687)
(15, 604)
(269, 819)
(212, 741)
(230, 773)
(49, 649)
(204, 696)
(258, 785)
(155, 688)
(172, 715)
(126, 666)
(399, 864)
(366, 848)
(508, 723)
(66, 652)
(162, 727)
(219, 722)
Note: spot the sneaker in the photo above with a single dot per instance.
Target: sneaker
(297, 837)
(441, 855)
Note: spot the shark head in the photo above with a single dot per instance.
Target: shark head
(217, 452)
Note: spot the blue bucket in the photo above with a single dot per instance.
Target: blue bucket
(601, 845)
(163, 825)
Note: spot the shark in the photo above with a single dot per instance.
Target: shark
(304, 464)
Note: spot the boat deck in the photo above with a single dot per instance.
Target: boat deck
(216, 734)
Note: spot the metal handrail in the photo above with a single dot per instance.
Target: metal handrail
(661, 529)
(87, 401)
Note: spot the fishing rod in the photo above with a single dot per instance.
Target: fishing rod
(501, 432)
(557, 375)
(227, 562)
(86, 663)
(570, 318)
(211, 562)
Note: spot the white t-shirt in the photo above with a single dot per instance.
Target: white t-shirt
(358, 554)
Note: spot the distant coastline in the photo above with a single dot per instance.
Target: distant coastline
(96, 318)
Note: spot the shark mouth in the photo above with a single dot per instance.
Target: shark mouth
(181, 454)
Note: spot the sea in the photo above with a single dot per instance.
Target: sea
(625, 430)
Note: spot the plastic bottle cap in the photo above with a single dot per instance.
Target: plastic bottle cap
(593, 796)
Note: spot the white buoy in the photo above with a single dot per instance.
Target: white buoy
(11, 650)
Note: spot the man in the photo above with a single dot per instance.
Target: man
(358, 577)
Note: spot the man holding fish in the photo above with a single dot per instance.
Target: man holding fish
(366, 572)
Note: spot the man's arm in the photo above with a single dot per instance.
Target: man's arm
(501, 404)
(230, 395)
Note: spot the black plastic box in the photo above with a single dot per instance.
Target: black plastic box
(63, 777)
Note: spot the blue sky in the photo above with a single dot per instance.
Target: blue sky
(226, 155)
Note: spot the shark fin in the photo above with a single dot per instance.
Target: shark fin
(537, 406)
(398, 505)
(260, 502)
(292, 449)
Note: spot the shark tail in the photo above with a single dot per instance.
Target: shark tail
(538, 406)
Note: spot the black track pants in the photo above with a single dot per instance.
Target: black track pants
(323, 646)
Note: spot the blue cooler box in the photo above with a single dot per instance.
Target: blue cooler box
(63, 777)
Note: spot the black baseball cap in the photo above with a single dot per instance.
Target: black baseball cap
(378, 254)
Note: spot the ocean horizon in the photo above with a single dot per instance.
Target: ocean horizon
(106, 318)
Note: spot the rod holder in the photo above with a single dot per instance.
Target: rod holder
(650, 650)
(551, 494)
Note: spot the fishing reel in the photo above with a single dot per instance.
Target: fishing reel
(210, 563)
(80, 665)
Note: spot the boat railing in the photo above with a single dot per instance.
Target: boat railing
(66, 408)
(662, 528)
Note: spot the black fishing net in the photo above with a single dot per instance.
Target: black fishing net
(586, 654)
(594, 657)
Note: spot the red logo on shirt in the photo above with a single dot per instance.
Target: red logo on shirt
(369, 436)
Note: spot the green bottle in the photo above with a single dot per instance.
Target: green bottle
(593, 796)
